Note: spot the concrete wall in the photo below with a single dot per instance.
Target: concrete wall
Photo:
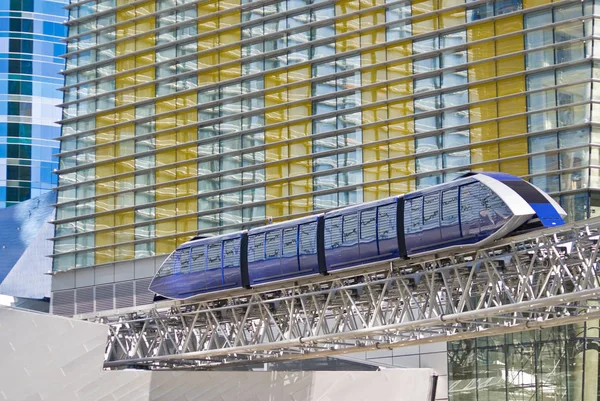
(55, 358)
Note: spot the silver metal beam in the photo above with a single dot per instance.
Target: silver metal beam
(539, 279)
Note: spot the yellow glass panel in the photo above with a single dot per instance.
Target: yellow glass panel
(229, 19)
(400, 129)
(374, 94)
(484, 111)
(482, 92)
(144, 93)
(375, 133)
(481, 51)
(275, 153)
(105, 153)
(514, 147)
(425, 25)
(299, 92)
(105, 170)
(373, 114)
(375, 192)
(423, 6)
(370, 19)
(230, 72)
(511, 65)
(276, 134)
(508, 45)
(402, 168)
(373, 57)
(124, 252)
(510, 106)
(124, 167)
(484, 153)
(509, 86)
(400, 108)
(276, 209)
(518, 167)
(346, 7)
(105, 255)
(275, 172)
(375, 153)
(400, 89)
(165, 228)
(403, 186)
(105, 204)
(103, 222)
(275, 116)
(103, 120)
(164, 245)
(399, 70)
(229, 37)
(208, 77)
(372, 37)
(301, 205)
(302, 166)
(208, 43)
(534, 3)
(300, 129)
(166, 157)
(480, 31)
(105, 136)
(376, 173)
(206, 8)
(298, 74)
(166, 140)
(168, 209)
(275, 79)
(302, 186)
(187, 224)
(509, 24)
(450, 3)
(104, 238)
(482, 71)
(401, 147)
(145, 8)
(399, 50)
(347, 43)
(484, 132)
(299, 111)
(452, 18)
(512, 126)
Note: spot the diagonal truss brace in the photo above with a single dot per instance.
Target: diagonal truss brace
(539, 279)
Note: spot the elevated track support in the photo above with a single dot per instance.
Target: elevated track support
(539, 279)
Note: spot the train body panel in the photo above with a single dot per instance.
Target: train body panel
(203, 266)
(472, 210)
(361, 234)
(284, 250)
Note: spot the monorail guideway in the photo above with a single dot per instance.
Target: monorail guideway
(539, 279)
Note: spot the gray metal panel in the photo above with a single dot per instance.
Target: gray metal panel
(144, 268)
(105, 297)
(104, 274)
(63, 303)
(84, 277)
(63, 280)
(124, 271)
(124, 294)
(84, 300)
(143, 296)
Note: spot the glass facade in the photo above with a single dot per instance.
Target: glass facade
(191, 117)
(31, 46)
(558, 363)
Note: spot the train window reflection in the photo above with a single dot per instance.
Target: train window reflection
(273, 247)
(333, 232)
(214, 256)
(450, 206)
(386, 221)
(184, 266)
(368, 224)
(431, 211)
(308, 239)
(256, 248)
(198, 259)
(231, 249)
(350, 229)
(289, 242)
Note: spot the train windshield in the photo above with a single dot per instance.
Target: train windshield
(544, 209)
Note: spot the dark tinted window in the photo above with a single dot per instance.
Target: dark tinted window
(527, 191)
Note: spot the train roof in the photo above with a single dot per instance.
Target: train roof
(211, 240)
(473, 175)
(497, 176)
(285, 224)
(362, 206)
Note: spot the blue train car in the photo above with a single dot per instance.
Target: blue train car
(202, 266)
(473, 210)
(363, 233)
(285, 250)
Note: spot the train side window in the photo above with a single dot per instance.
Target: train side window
(368, 224)
(350, 229)
(185, 261)
(168, 266)
(308, 239)
(431, 211)
(256, 248)
(450, 206)
(198, 259)
(214, 256)
(333, 232)
(386, 221)
(414, 210)
(290, 247)
(273, 246)
(469, 203)
(230, 256)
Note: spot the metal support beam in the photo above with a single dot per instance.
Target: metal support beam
(539, 279)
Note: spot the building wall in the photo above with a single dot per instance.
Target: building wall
(211, 116)
(31, 34)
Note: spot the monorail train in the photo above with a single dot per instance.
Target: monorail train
(471, 211)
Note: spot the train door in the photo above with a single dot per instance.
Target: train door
(289, 254)
(214, 274)
(431, 219)
(450, 224)
(307, 247)
(232, 273)
(197, 277)
(350, 236)
(368, 234)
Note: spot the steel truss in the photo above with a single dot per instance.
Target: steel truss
(540, 279)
